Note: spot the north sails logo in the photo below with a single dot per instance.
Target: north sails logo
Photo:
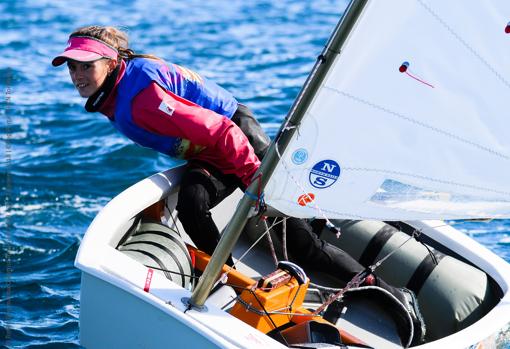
(324, 174)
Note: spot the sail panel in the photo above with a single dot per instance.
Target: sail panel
(411, 121)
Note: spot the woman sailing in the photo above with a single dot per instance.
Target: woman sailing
(177, 112)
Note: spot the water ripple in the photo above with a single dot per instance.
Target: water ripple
(66, 163)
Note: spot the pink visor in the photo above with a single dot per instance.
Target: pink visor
(85, 49)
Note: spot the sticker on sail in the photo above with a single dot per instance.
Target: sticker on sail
(507, 28)
(299, 156)
(305, 199)
(324, 174)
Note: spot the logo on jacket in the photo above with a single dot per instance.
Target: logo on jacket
(324, 174)
(166, 108)
(184, 149)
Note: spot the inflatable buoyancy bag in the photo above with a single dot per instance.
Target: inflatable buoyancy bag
(156, 245)
(452, 294)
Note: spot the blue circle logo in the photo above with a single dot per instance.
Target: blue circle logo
(324, 174)
(299, 156)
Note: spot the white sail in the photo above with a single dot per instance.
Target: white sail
(411, 122)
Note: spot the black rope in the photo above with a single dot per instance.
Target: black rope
(269, 317)
(230, 302)
(432, 254)
(197, 277)
(176, 229)
(171, 271)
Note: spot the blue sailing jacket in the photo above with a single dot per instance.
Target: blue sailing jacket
(140, 73)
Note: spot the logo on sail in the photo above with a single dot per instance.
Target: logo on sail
(305, 199)
(324, 174)
(299, 156)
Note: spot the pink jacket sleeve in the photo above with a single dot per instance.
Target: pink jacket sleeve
(212, 137)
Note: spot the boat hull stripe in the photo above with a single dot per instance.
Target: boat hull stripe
(426, 267)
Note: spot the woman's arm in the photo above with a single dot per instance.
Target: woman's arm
(222, 143)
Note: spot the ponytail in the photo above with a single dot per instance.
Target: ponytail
(114, 37)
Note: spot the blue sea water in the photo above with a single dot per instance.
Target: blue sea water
(60, 165)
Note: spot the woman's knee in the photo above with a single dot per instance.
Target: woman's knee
(302, 243)
(193, 200)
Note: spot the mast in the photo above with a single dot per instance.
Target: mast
(270, 161)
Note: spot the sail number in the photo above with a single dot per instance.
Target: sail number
(324, 174)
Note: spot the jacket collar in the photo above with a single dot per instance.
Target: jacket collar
(103, 100)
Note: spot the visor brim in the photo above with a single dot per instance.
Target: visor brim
(75, 55)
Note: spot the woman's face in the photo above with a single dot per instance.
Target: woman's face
(87, 77)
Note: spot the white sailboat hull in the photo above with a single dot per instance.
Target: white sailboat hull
(116, 311)
(112, 317)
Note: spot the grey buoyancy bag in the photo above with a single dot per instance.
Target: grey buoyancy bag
(452, 293)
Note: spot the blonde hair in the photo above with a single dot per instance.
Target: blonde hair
(113, 37)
